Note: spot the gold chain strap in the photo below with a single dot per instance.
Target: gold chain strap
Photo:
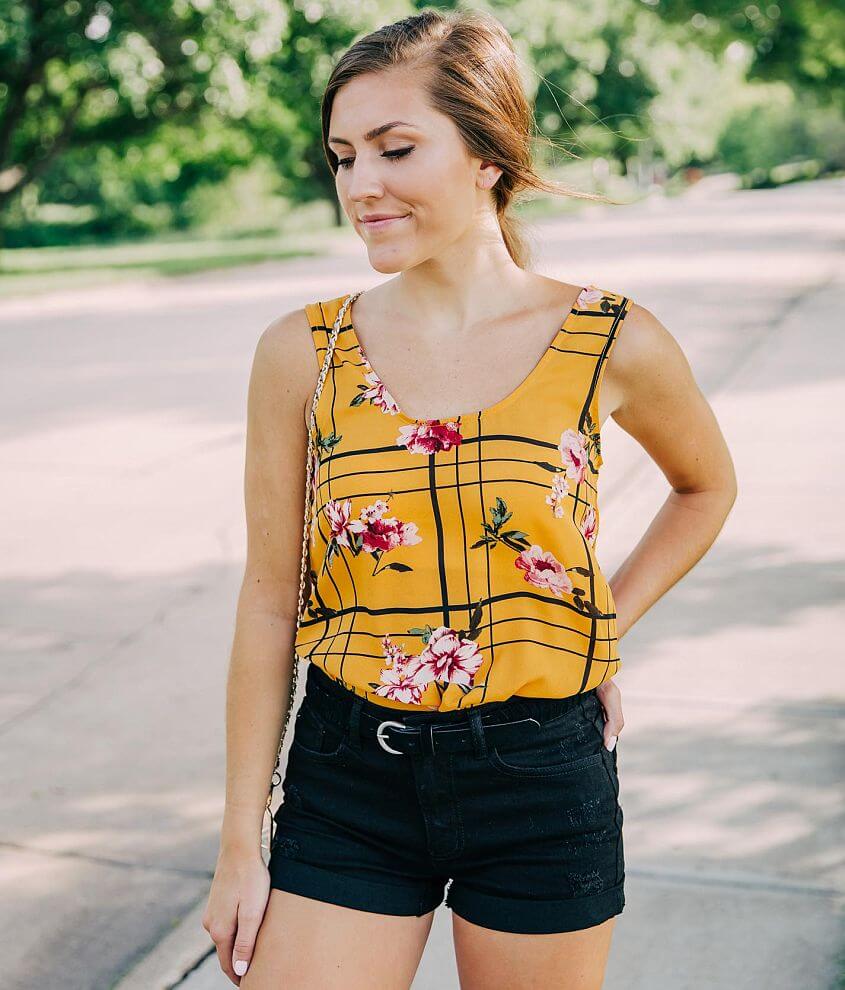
(312, 464)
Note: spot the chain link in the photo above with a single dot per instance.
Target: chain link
(312, 464)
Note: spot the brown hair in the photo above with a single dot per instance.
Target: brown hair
(466, 60)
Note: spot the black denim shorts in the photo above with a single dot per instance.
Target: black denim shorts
(511, 808)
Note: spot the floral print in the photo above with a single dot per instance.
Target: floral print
(576, 454)
(592, 294)
(417, 523)
(542, 568)
(371, 532)
(544, 571)
(374, 391)
(557, 497)
(493, 533)
(427, 436)
(592, 297)
(587, 525)
(448, 657)
(573, 453)
(423, 436)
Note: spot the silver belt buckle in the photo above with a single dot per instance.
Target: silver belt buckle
(382, 741)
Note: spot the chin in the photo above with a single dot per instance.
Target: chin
(388, 266)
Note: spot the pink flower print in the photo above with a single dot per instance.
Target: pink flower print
(378, 395)
(372, 532)
(338, 515)
(399, 680)
(427, 436)
(395, 654)
(375, 511)
(573, 452)
(388, 534)
(588, 524)
(380, 534)
(375, 392)
(591, 294)
(399, 685)
(544, 570)
(449, 657)
(560, 489)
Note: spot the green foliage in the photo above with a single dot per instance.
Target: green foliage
(124, 120)
(772, 127)
(801, 43)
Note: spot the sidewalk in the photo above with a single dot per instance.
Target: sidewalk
(123, 456)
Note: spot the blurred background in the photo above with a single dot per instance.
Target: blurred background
(176, 135)
(163, 197)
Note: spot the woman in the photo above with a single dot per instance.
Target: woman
(460, 717)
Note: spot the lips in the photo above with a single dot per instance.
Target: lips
(384, 222)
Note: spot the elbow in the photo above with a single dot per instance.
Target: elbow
(731, 490)
(729, 486)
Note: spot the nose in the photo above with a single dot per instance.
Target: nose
(364, 183)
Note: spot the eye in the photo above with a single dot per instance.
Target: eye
(394, 155)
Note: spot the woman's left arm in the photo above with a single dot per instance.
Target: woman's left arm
(652, 394)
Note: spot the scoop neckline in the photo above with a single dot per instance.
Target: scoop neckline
(545, 357)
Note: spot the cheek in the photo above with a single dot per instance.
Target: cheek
(441, 197)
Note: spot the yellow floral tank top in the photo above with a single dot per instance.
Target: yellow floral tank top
(452, 562)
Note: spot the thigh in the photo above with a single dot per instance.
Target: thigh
(574, 960)
(305, 943)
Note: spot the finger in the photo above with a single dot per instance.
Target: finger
(612, 726)
(249, 921)
(224, 956)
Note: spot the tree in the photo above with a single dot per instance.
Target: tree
(84, 73)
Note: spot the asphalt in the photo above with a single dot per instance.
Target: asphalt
(122, 552)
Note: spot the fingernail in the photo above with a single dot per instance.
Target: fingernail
(612, 743)
(240, 967)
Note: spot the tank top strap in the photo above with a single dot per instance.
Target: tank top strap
(592, 330)
(321, 316)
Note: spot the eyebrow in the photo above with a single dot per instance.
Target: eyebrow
(374, 133)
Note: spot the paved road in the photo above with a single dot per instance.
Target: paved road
(122, 547)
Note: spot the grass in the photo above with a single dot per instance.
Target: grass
(36, 270)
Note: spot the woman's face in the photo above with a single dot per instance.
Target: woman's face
(418, 170)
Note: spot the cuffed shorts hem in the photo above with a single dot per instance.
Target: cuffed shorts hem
(535, 917)
(353, 892)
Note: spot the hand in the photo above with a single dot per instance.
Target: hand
(236, 905)
(610, 697)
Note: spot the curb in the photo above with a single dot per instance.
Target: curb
(174, 958)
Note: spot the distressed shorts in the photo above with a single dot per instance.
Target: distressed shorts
(511, 808)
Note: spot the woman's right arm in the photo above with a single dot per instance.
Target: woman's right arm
(284, 375)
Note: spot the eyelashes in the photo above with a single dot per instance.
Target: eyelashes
(393, 155)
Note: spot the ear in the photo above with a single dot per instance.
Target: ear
(488, 175)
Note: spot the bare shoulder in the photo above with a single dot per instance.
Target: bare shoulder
(658, 402)
(561, 294)
(642, 339)
(285, 366)
(646, 362)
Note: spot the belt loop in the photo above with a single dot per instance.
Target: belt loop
(426, 739)
(479, 743)
(355, 721)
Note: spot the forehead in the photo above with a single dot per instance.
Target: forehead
(374, 98)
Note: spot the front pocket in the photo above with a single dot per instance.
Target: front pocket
(544, 760)
(314, 738)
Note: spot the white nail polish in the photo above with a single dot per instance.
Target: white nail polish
(612, 743)
(240, 967)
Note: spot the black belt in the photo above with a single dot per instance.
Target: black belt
(396, 737)
(335, 703)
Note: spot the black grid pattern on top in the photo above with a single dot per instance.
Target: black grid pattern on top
(439, 474)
